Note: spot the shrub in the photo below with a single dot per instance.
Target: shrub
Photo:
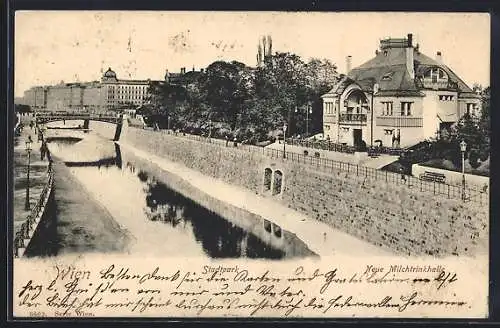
(473, 159)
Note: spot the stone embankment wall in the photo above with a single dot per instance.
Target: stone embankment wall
(398, 217)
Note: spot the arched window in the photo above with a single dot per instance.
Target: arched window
(435, 75)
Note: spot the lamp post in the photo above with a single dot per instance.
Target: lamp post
(308, 111)
(27, 202)
(284, 140)
(463, 148)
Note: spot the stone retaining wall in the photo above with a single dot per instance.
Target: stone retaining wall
(397, 217)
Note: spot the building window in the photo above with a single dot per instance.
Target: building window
(471, 109)
(446, 97)
(387, 108)
(388, 132)
(406, 108)
(436, 74)
(328, 107)
(388, 76)
(326, 127)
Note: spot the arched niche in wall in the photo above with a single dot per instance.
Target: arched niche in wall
(268, 177)
(277, 182)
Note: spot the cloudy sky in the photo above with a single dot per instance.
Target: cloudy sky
(78, 46)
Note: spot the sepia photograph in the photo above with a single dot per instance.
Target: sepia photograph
(251, 164)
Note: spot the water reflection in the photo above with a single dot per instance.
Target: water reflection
(218, 237)
(177, 224)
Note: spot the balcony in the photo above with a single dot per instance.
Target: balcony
(436, 84)
(400, 121)
(350, 118)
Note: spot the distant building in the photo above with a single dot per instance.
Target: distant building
(183, 78)
(397, 99)
(110, 93)
(122, 93)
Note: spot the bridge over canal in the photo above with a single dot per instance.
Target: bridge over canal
(47, 117)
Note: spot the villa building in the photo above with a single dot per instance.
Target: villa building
(397, 99)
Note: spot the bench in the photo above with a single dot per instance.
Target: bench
(373, 153)
(433, 176)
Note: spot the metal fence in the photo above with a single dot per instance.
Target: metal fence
(450, 191)
(25, 233)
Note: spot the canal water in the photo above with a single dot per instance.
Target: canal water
(157, 217)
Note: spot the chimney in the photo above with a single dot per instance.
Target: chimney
(183, 70)
(439, 57)
(348, 62)
(410, 40)
(409, 57)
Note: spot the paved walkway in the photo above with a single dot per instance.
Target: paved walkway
(357, 158)
(319, 237)
(38, 173)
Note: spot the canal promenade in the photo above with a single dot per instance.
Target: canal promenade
(319, 237)
(38, 173)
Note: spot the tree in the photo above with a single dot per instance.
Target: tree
(475, 131)
(321, 76)
(224, 88)
(281, 82)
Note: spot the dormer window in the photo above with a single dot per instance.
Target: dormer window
(436, 78)
(387, 76)
(436, 74)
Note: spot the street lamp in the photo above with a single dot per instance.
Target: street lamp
(308, 111)
(463, 148)
(27, 203)
(284, 139)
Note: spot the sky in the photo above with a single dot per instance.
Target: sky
(70, 46)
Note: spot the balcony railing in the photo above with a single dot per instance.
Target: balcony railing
(428, 83)
(400, 121)
(352, 118)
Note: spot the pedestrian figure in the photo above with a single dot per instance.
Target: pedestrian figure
(235, 142)
(403, 176)
(42, 150)
(227, 140)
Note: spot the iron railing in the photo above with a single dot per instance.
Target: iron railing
(450, 191)
(351, 117)
(24, 234)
